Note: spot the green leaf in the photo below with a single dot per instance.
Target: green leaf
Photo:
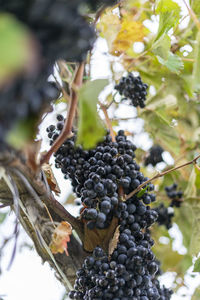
(15, 47)
(169, 13)
(197, 181)
(196, 295)
(2, 217)
(196, 65)
(22, 133)
(197, 265)
(141, 192)
(196, 7)
(173, 63)
(190, 225)
(161, 47)
(90, 128)
(191, 187)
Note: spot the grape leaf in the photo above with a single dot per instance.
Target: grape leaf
(161, 47)
(197, 265)
(190, 190)
(173, 63)
(169, 13)
(196, 66)
(196, 295)
(188, 220)
(90, 128)
(195, 5)
(131, 31)
(22, 133)
(172, 260)
(109, 26)
(16, 51)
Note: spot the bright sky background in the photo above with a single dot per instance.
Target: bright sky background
(28, 278)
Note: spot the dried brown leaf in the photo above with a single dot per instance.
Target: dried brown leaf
(51, 179)
(60, 238)
(99, 237)
(113, 242)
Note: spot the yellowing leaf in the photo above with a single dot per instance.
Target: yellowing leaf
(109, 26)
(60, 238)
(131, 31)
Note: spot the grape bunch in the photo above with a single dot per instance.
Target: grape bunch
(155, 156)
(98, 174)
(132, 87)
(131, 271)
(25, 98)
(165, 215)
(96, 4)
(62, 33)
(174, 195)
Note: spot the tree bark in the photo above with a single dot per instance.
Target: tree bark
(33, 197)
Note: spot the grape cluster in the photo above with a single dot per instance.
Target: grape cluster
(155, 155)
(174, 195)
(98, 174)
(131, 271)
(165, 215)
(25, 99)
(62, 34)
(96, 4)
(132, 87)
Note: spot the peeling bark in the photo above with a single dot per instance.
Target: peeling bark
(34, 218)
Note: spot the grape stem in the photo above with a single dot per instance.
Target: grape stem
(108, 121)
(66, 132)
(160, 174)
(192, 15)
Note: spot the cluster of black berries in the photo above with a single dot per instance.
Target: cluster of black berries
(97, 174)
(25, 99)
(155, 155)
(165, 215)
(131, 271)
(174, 195)
(133, 88)
(62, 34)
(96, 4)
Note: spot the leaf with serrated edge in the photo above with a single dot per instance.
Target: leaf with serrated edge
(169, 13)
(197, 265)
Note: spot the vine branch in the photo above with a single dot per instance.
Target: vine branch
(160, 174)
(66, 132)
(108, 121)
